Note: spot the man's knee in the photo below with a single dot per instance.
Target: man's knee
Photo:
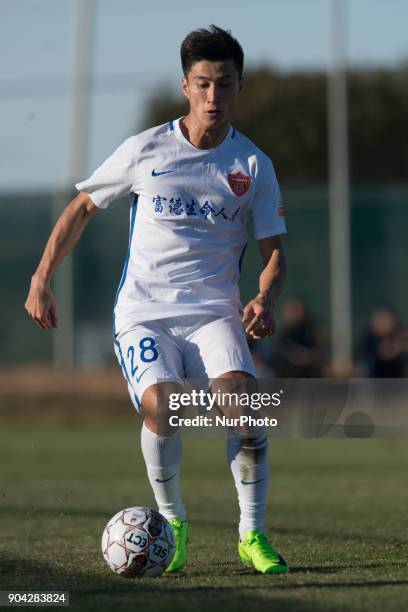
(230, 386)
(234, 391)
(155, 407)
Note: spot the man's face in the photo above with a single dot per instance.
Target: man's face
(212, 89)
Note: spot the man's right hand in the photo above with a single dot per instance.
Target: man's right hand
(41, 305)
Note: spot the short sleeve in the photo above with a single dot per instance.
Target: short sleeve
(115, 177)
(267, 207)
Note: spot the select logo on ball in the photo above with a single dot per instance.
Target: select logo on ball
(138, 542)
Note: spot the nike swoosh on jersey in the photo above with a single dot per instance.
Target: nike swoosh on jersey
(154, 173)
(245, 482)
(166, 479)
(138, 378)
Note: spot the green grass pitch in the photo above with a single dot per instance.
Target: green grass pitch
(337, 512)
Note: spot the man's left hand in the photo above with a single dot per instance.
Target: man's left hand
(258, 318)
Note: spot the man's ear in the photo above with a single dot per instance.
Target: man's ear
(184, 86)
(241, 84)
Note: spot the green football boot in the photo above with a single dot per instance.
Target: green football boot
(255, 550)
(180, 529)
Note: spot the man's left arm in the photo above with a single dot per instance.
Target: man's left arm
(258, 316)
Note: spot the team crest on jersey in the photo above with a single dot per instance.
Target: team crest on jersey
(239, 183)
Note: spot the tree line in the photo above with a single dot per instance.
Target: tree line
(285, 114)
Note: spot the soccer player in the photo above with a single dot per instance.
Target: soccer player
(193, 183)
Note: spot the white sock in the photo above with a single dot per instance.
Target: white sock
(162, 455)
(248, 460)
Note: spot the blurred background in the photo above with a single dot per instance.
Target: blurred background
(325, 95)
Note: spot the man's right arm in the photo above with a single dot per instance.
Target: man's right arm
(40, 303)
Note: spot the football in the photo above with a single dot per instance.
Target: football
(138, 542)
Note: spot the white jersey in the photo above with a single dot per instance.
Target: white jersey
(188, 214)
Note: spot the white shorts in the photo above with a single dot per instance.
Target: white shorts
(183, 347)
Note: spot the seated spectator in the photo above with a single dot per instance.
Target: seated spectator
(296, 352)
(381, 349)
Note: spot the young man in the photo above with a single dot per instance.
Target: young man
(193, 182)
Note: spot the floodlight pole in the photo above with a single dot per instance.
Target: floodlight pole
(76, 150)
(340, 278)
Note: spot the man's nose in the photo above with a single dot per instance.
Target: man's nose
(213, 93)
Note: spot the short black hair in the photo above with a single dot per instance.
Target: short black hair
(213, 45)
